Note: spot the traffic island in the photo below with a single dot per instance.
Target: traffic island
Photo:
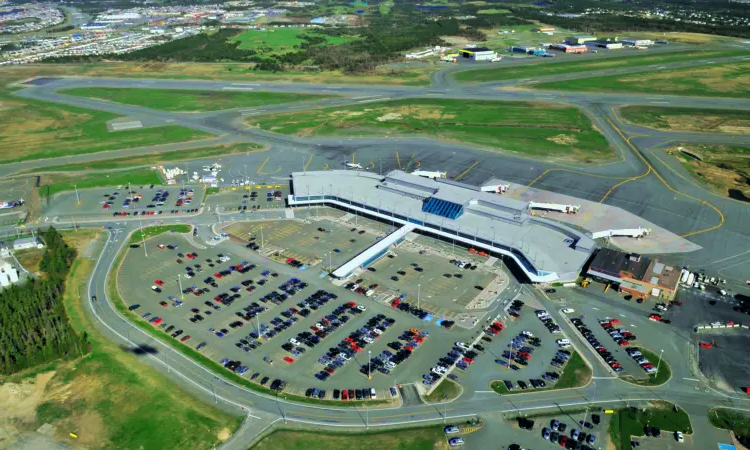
(659, 417)
(660, 377)
(447, 391)
(575, 374)
(737, 422)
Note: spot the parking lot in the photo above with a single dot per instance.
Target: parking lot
(246, 198)
(146, 201)
(11, 191)
(293, 309)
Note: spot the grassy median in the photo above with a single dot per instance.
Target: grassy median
(189, 100)
(534, 129)
(575, 374)
(656, 379)
(736, 421)
(626, 423)
(53, 184)
(700, 120)
(715, 80)
(446, 391)
(432, 438)
(548, 66)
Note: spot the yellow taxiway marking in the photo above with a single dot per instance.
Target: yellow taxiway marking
(461, 175)
(398, 160)
(260, 169)
(309, 160)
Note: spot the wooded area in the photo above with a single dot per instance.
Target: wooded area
(34, 327)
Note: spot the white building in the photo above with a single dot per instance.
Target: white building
(637, 42)
(8, 274)
(22, 244)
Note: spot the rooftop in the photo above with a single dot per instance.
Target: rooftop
(457, 208)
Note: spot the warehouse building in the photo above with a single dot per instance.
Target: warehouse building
(608, 45)
(635, 274)
(579, 40)
(478, 53)
(539, 249)
(567, 48)
(637, 42)
(22, 244)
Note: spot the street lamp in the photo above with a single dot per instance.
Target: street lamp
(419, 291)
(659, 363)
(369, 370)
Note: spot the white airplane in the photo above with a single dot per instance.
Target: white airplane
(354, 166)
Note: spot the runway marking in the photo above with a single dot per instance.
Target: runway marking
(664, 182)
(245, 84)
(366, 96)
(660, 103)
(229, 88)
(410, 162)
(461, 175)
(260, 169)
(690, 379)
(308, 163)
(374, 100)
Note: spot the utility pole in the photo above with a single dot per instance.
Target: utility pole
(369, 370)
(143, 238)
(659, 363)
(261, 237)
(77, 197)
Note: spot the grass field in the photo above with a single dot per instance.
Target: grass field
(277, 41)
(630, 422)
(736, 421)
(548, 66)
(188, 100)
(533, 129)
(660, 377)
(217, 151)
(61, 182)
(431, 438)
(722, 167)
(713, 80)
(689, 119)
(31, 129)
(446, 390)
(576, 373)
(109, 398)
(216, 71)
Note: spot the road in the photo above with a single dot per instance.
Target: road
(657, 190)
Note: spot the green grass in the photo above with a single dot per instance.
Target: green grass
(277, 41)
(152, 159)
(115, 401)
(547, 66)
(147, 233)
(412, 439)
(630, 422)
(31, 129)
(662, 376)
(445, 391)
(576, 373)
(736, 421)
(686, 119)
(722, 167)
(188, 100)
(64, 183)
(204, 361)
(715, 80)
(533, 129)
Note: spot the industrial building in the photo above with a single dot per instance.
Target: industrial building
(567, 48)
(8, 274)
(637, 42)
(478, 53)
(609, 45)
(579, 40)
(541, 250)
(635, 274)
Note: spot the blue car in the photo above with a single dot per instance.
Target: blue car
(219, 334)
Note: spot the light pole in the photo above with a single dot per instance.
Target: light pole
(419, 291)
(369, 370)
(257, 324)
(143, 239)
(179, 280)
(77, 197)
(659, 363)
(261, 236)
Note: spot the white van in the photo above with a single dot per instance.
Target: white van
(372, 393)
(563, 343)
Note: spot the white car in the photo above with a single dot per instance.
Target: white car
(369, 293)
(451, 430)
(527, 333)
(344, 356)
(563, 342)
(354, 288)
(439, 370)
(376, 331)
(372, 393)
(461, 345)
(368, 339)
(678, 436)
(294, 341)
(568, 310)
(361, 308)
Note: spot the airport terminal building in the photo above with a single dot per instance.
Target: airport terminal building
(544, 250)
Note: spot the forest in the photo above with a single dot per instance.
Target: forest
(34, 327)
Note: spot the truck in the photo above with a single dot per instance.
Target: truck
(690, 279)
(495, 188)
(569, 209)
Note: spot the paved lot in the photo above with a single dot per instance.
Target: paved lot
(13, 190)
(65, 204)
(138, 273)
(234, 198)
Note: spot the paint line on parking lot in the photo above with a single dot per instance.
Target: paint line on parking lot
(593, 307)
(484, 392)
(690, 379)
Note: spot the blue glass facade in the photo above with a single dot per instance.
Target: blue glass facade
(442, 208)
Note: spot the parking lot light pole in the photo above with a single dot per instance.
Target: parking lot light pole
(179, 280)
(261, 237)
(659, 363)
(143, 239)
(369, 367)
(77, 197)
(419, 291)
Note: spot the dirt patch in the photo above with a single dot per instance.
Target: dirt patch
(455, 40)
(423, 112)
(88, 426)
(347, 113)
(389, 116)
(224, 434)
(733, 129)
(24, 397)
(563, 139)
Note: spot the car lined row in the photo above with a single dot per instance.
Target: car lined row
(638, 357)
(605, 354)
(621, 336)
(548, 322)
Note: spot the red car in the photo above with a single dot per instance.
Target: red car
(157, 321)
(563, 440)
(395, 302)
(191, 255)
(654, 317)
(329, 370)
(185, 339)
(289, 360)
(614, 321)
(524, 355)
(623, 343)
(288, 260)
(344, 395)
(467, 360)
(160, 245)
(105, 206)
(218, 275)
(159, 283)
(498, 325)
